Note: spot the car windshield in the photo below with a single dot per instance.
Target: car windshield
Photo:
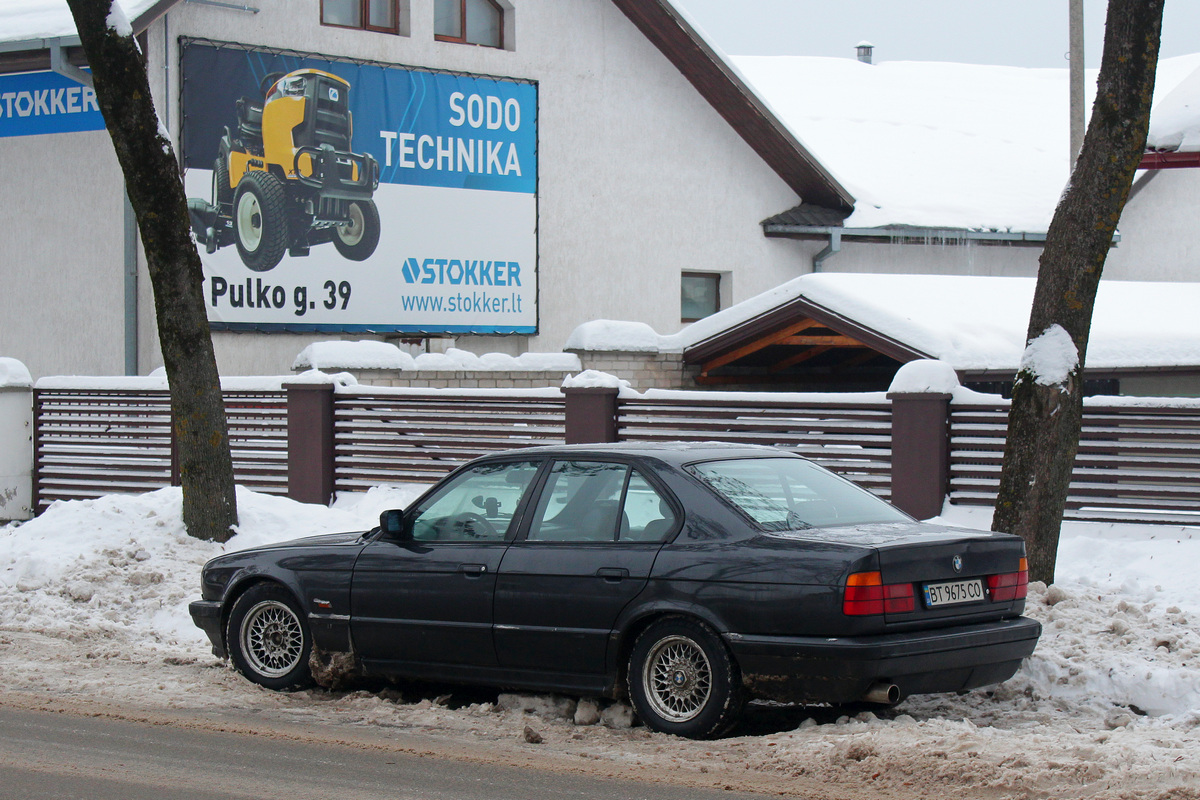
(782, 494)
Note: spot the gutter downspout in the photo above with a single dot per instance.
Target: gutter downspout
(833, 248)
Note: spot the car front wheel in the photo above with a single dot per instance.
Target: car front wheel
(682, 680)
(268, 638)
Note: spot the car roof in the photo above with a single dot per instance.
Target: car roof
(676, 453)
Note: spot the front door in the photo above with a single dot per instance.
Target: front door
(426, 597)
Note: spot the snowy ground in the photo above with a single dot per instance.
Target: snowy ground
(93, 609)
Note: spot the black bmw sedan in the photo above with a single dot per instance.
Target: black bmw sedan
(688, 577)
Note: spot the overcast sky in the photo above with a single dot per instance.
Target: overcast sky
(1023, 33)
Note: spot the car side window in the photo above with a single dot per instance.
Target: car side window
(580, 503)
(647, 515)
(478, 505)
(594, 501)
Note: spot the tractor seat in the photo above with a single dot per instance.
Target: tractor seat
(249, 116)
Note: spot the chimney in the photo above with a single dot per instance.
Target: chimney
(864, 51)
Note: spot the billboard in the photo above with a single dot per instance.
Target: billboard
(336, 196)
(33, 103)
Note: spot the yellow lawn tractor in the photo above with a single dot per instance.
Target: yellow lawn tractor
(286, 179)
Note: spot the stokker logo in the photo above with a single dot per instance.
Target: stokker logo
(462, 272)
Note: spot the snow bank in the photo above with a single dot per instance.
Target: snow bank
(352, 355)
(381, 355)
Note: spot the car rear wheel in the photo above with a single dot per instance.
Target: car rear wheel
(268, 638)
(683, 680)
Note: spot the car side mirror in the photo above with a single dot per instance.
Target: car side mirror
(391, 522)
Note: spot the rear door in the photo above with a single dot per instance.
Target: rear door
(592, 540)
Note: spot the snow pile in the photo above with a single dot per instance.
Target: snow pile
(594, 379)
(14, 374)
(1050, 357)
(924, 375)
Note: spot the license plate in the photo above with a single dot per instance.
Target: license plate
(948, 594)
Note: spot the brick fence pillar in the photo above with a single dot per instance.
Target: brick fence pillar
(591, 414)
(920, 451)
(310, 442)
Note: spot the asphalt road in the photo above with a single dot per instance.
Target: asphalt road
(68, 757)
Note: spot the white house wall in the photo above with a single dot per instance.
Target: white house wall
(639, 178)
(62, 254)
(1160, 240)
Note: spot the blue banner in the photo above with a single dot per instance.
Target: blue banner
(424, 128)
(33, 103)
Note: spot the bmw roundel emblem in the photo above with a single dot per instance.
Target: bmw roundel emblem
(957, 563)
(333, 94)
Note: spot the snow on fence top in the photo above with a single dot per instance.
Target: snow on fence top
(381, 355)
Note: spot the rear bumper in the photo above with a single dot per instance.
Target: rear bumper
(841, 670)
(207, 616)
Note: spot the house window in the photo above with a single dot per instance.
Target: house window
(469, 22)
(371, 15)
(700, 295)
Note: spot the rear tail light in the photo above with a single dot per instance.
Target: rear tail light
(1011, 585)
(867, 594)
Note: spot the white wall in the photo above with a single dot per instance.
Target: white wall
(639, 178)
(62, 255)
(1160, 240)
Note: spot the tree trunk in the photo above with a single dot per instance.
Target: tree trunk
(156, 192)
(1047, 405)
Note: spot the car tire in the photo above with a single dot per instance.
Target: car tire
(260, 220)
(268, 638)
(358, 239)
(683, 680)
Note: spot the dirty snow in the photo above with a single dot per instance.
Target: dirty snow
(93, 608)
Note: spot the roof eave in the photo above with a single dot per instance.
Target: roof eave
(799, 306)
(39, 44)
(721, 86)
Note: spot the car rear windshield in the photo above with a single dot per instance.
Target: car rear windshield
(782, 494)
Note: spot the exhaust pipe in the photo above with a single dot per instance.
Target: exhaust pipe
(887, 694)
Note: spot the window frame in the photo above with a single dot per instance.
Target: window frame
(364, 12)
(717, 276)
(462, 22)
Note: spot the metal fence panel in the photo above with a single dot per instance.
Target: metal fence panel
(382, 437)
(852, 439)
(1135, 463)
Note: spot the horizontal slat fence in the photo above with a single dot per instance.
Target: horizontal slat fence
(258, 439)
(89, 443)
(416, 437)
(1134, 463)
(92, 442)
(852, 439)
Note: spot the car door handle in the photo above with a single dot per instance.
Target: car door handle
(612, 574)
(472, 570)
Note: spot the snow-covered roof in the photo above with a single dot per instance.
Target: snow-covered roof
(947, 145)
(26, 20)
(973, 323)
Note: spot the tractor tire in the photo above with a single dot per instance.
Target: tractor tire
(358, 239)
(222, 192)
(260, 220)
